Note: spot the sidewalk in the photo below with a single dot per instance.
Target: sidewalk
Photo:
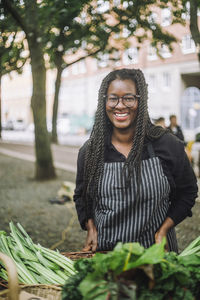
(65, 157)
(28, 137)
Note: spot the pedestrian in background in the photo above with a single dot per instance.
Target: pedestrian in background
(175, 128)
(160, 122)
(134, 181)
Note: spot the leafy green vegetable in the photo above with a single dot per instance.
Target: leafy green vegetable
(130, 272)
(70, 290)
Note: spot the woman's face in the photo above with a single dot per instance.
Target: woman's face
(121, 116)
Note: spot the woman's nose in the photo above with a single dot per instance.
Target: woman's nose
(120, 103)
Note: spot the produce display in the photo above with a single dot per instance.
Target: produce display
(129, 272)
(35, 264)
(134, 273)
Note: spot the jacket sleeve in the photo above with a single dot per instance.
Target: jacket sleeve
(79, 202)
(186, 189)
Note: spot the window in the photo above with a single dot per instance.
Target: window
(188, 45)
(83, 18)
(133, 23)
(75, 69)
(82, 66)
(125, 4)
(190, 108)
(130, 56)
(65, 72)
(152, 53)
(164, 51)
(116, 58)
(116, 2)
(166, 17)
(152, 82)
(186, 14)
(125, 32)
(102, 61)
(166, 80)
(102, 6)
(153, 17)
(79, 67)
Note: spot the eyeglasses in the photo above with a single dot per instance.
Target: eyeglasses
(128, 100)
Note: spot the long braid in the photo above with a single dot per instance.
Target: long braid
(94, 158)
(138, 141)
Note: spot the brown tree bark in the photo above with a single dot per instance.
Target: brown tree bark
(44, 161)
(0, 110)
(44, 168)
(194, 24)
(30, 25)
(54, 136)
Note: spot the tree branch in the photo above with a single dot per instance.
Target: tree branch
(83, 57)
(13, 11)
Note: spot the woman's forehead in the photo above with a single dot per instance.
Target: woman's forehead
(126, 85)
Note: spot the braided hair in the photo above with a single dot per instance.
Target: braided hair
(94, 158)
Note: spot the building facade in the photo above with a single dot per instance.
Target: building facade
(173, 81)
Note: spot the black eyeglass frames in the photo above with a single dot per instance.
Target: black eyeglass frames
(128, 100)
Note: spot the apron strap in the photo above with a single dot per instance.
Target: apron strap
(150, 150)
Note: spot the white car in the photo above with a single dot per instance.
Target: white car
(7, 125)
(19, 125)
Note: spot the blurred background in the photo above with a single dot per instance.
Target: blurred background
(99, 37)
(53, 57)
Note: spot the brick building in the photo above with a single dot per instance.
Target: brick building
(174, 80)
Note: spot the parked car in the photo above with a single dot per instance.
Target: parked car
(19, 125)
(8, 125)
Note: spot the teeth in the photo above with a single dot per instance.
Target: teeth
(121, 115)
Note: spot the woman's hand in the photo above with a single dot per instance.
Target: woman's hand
(163, 230)
(91, 240)
(160, 234)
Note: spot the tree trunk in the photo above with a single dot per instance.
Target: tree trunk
(54, 137)
(30, 24)
(44, 161)
(0, 110)
(194, 24)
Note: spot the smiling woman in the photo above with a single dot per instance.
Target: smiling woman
(122, 114)
(134, 181)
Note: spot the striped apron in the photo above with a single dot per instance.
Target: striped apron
(120, 216)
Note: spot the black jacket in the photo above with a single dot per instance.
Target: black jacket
(176, 167)
(178, 132)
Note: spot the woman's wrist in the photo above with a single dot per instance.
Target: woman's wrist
(90, 224)
(166, 226)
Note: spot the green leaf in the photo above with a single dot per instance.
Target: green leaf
(92, 289)
(189, 260)
(152, 255)
(134, 248)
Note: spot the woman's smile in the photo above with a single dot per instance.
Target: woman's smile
(121, 116)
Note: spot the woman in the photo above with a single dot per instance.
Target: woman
(134, 182)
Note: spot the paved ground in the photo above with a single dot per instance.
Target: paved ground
(65, 157)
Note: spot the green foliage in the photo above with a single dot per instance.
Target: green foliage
(12, 47)
(70, 290)
(132, 272)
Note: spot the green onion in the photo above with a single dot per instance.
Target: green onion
(192, 248)
(35, 264)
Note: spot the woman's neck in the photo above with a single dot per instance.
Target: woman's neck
(122, 141)
(122, 136)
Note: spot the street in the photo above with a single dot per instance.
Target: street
(21, 145)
